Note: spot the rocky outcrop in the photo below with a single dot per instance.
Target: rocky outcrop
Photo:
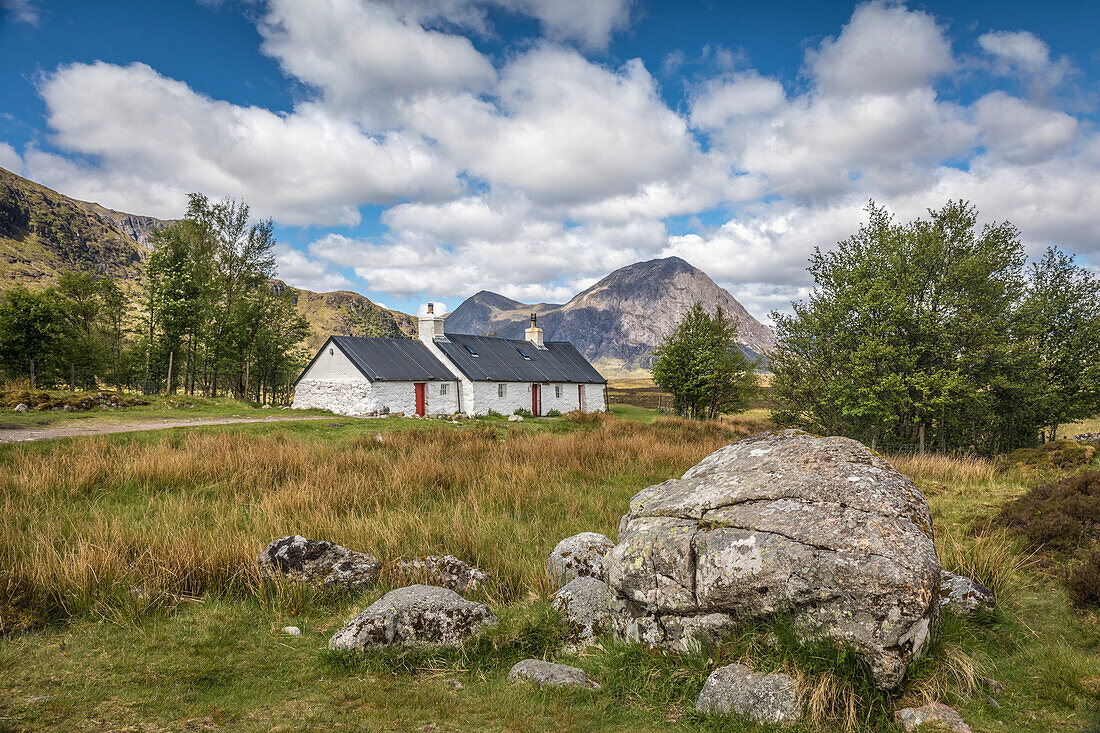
(935, 713)
(820, 530)
(548, 674)
(619, 320)
(1090, 438)
(442, 570)
(416, 615)
(578, 556)
(964, 596)
(765, 698)
(318, 562)
(586, 604)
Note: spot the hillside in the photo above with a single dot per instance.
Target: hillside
(617, 322)
(44, 233)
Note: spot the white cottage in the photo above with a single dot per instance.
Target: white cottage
(441, 373)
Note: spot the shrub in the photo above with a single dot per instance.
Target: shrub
(522, 412)
(1059, 515)
(1055, 454)
(1084, 582)
(554, 413)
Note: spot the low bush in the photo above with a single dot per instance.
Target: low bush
(554, 413)
(1059, 515)
(1084, 582)
(523, 412)
(1055, 454)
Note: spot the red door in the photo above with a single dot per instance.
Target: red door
(535, 400)
(421, 399)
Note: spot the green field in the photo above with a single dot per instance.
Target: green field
(130, 599)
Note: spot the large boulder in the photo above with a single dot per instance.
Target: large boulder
(820, 530)
(736, 690)
(586, 604)
(578, 556)
(417, 615)
(548, 674)
(443, 570)
(318, 562)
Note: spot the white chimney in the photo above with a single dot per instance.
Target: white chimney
(534, 333)
(430, 322)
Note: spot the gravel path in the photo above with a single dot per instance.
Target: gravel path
(78, 428)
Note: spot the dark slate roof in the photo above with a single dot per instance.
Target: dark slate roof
(393, 360)
(500, 360)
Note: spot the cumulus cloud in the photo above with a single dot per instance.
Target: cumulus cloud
(304, 167)
(9, 158)
(884, 48)
(300, 271)
(1024, 55)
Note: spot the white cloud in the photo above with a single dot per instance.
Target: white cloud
(1023, 133)
(23, 11)
(148, 131)
(589, 22)
(885, 48)
(302, 272)
(1024, 55)
(365, 55)
(10, 159)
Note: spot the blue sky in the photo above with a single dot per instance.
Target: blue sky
(411, 150)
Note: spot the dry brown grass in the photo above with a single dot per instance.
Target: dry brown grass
(82, 524)
(945, 469)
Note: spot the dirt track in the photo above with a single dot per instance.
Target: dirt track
(78, 428)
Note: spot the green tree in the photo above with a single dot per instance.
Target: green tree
(32, 327)
(702, 366)
(1064, 302)
(913, 335)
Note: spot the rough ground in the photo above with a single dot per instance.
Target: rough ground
(79, 428)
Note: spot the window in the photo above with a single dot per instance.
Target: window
(502, 390)
(557, 391)
(443, 388)
(472, 352)
(523, 353)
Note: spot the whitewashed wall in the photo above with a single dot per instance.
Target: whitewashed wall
(465, 386)
(485, 398)
(342, 396)
(333, 365)
(594, 398)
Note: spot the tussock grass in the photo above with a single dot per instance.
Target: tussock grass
(85, 522)
(946, 469)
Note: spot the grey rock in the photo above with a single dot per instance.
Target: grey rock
(515, 418)
(586, 603)
(443, 570)
(21, 407)
(578, 556)
(548, 674)
(935, 712)
(453, 683)
(963, 596)
(317, 562)
(821, 530)
(1093, 438)
(292, 631)
(416, 615)
(766, 698)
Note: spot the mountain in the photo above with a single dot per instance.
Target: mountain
(617, 322)
(44, 233)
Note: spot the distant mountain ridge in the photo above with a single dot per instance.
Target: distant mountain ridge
(44, 233)
(619, 321)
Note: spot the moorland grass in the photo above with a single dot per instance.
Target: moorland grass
(138, 553)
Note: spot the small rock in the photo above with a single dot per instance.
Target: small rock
(418, 615)
(443, 570)
(21, 407)
(292, 631)
(963, 596)
(1093, 438)
(379, 439)
(515, 418)
(576, 557)
(994, 686)
(454, 683)
(265, 407)
(66, 408)
(40, 698)
(736, 689)
(586, 603)
(548, 674)
(317, 562)
(993, 703)
(935, 712)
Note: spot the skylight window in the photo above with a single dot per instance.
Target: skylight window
(472, 352)
(523, 353)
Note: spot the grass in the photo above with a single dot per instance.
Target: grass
(132, 596)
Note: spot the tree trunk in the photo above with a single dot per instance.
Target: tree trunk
(921, 433)
(168, 383)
